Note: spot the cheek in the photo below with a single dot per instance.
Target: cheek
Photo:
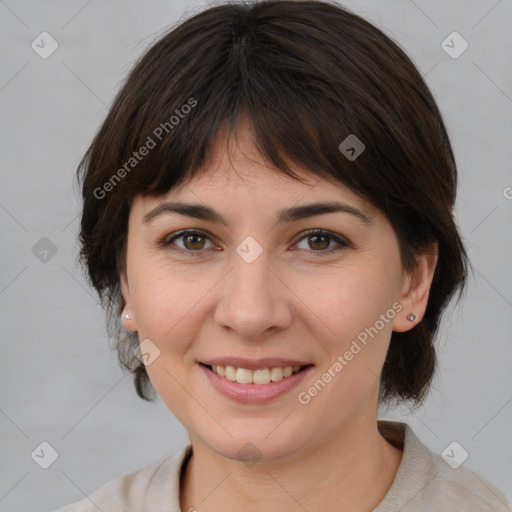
(351, 301)
(356, 305)
(166, 305)
(167, 301)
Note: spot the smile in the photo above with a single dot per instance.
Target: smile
(259, 376)
(257, 385)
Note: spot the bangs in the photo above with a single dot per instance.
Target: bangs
(288, 124)
(277, 140)
(301, 101)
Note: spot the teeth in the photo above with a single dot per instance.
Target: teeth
(259, 376)
(276, 374)
(230, 373)
(243, 376)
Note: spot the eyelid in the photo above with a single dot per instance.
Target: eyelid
(169, 239)
(339, 239)
(342, 241)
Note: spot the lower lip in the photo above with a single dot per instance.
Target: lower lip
(254, 393)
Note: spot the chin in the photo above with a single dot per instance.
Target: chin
(261, 441)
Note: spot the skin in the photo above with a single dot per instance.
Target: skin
(292, 301)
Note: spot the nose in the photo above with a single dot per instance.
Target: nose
(254, 299)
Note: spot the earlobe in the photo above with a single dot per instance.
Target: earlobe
(128, 316)
(415, 291)
(128, 320)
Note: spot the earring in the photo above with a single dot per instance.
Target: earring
(125, 317)
(411, 317)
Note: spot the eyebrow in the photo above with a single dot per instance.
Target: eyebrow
(284, 216)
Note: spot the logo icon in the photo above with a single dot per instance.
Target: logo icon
(454, 455)
(454, 45)
(352, 147)
(249, 250)
(249, 454)
(44, 455)
(146, 352)
(44, 250)
(44, 45)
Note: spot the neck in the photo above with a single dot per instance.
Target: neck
(355, 469)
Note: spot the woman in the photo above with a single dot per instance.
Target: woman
(268, 207)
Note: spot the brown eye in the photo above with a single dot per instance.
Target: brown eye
(192, 241)
(319, 241)
(317, 244)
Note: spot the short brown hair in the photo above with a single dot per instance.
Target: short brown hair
(307, 74)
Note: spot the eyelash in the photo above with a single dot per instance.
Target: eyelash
(311, 232)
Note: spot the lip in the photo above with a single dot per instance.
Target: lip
(254, 364)
(254, 393)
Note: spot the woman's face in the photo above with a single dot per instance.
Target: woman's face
(259, 289)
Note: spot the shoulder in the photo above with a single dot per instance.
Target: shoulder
(464, 490)
(138, 489)
(425, 481)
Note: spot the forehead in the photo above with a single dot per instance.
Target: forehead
(236, 176)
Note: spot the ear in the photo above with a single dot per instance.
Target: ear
(128, 316)
(415, 290)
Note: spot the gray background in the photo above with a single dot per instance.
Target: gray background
(60, 383)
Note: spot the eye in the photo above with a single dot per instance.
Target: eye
(321, 240)
(193, 241)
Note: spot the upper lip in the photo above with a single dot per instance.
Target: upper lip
(254, 364)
